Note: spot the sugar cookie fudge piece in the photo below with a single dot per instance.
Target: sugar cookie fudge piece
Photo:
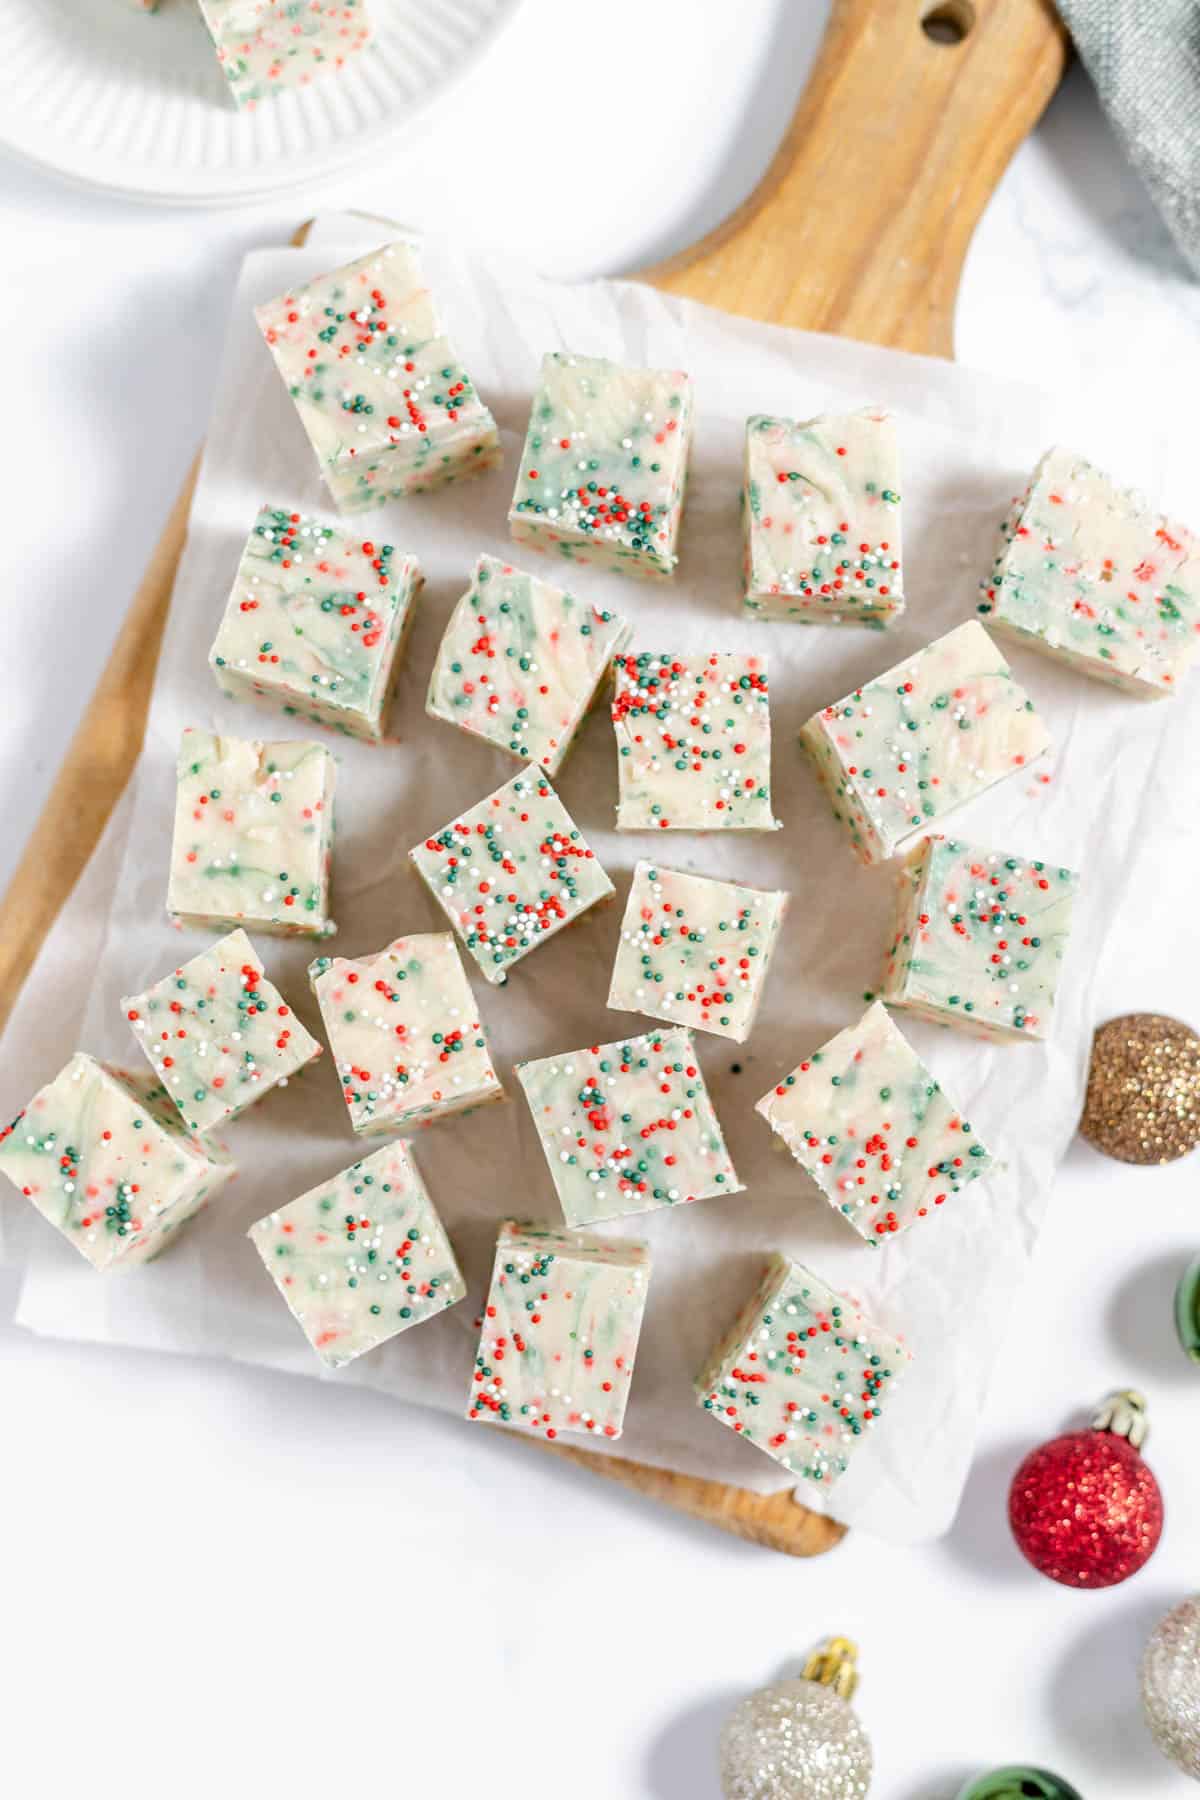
(560, 1331)
(979, 938)
(521, 661)
(695, 951)
(866, 1119)
(628, 1127)
(604, 467)
(265, 45)
(821, 519)
(1089, 574)
(405, 1033)
(802, 1373)
(218, 1034)
(693, 743)
(387, 406)
(253, 835)
(361, 1257)
(316, 623)
(922, 739)
(103, 1156)
(511, 872)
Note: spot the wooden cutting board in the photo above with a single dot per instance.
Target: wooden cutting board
(859, 227)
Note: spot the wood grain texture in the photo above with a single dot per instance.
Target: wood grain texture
(859, 227)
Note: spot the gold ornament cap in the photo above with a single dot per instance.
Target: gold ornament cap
(835, 1665)
(1143, 1090)
(1124, 1414)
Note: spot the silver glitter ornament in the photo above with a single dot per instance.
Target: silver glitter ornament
(1171, 1685)
(800, 1740)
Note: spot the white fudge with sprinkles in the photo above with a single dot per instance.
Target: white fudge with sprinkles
(104, 1157)
(266, 46)
(1091, 575)
(693, 742)
(560, 1331)
(802, 1373)
(695, 951)
(388, 408)
(628, 1127)
(405, 1033)
(901, 752)
(511, 872)
(361, 1257)
(870, 1124)
(604, 468)
(218, 1034)
(821, 519)
(316, 623)
(521, 662)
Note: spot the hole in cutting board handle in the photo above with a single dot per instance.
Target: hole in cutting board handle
(948, 21)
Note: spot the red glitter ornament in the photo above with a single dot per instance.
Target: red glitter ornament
(1084, 1508)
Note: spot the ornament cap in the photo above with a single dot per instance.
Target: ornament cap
(1124, 1414)
(835, 1665)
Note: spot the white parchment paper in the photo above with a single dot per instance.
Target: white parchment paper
(946, 1287)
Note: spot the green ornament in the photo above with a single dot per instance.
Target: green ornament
(1187, 1309)
(1020, 1783)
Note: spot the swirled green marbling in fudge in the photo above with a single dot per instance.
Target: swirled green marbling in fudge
(695, 951)
(253, 834)
(316, 623)
(405, 1033)
(388, 408)
(560, 1331)
(103, 1155)
(521, 661)
(510, 872)
(1089, 574)
(265, 45)
(924, 737)
(867, 1120)
(821, 519)
(628, 1127)
(693, 742)
(604, 467)
(218, 1034)
(979, 938)
(802, 1373)
(361, 1257)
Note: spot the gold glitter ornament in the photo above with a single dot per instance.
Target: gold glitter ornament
(1171, 1686)
(800, 1740)
(1143, 1092)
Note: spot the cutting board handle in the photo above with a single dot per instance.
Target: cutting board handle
(862, 222)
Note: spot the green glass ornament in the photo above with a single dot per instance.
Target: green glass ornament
(1020, 1783)
(1187, 1309)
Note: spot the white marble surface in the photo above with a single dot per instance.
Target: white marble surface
(194, 1552)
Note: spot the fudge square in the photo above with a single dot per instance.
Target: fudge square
(979, 938)
(802, 1373)
(521, 662)
(218, 1035)
(922, 739)
(604, 466)
(695, 951)
(387, 406)
(253, 835)
(511, 872)
(866, 1119)
(316, 623)
(1089, 574)
(560, 1331)
(693, 742)
(821, 519)
(103, 1155)
(405, 1033)
(628, 1127)
(265, 45)
(362, 1257)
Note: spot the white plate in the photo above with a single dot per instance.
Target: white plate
(136, 102)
